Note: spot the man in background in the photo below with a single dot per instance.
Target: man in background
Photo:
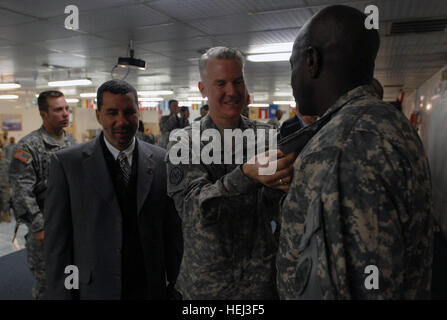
(275, 120)
(184, 117)
(203, 112)
(169, 123)
(29, 173)
(10, 148)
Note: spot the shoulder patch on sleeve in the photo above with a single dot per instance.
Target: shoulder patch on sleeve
(22, 156)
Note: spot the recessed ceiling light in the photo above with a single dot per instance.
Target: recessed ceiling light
(88, 95)
(291, 103)
(155, 93)
(9, 97)
(197, 99)
(272, 48)
(68, 83)
(6, 86)
(258, 105)
(283, 94)
(151, 99)
(270, 57)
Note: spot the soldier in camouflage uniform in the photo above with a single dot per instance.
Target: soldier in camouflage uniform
(361, 191)
(28, 176)
(229, 248)
(169, 123)
(4, 188)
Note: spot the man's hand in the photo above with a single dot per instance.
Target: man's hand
(39, 236)
(281, 178)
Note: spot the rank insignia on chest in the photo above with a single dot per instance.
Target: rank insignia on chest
(22, 156)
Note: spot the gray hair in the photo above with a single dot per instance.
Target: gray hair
(220, 53)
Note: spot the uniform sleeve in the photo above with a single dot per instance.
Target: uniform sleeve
(200, 200)
(168, 124)
(367, 222)
(22, 175)
(58, 240)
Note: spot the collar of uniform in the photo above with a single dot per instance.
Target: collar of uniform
(46, 137)
(296, 141)
(115, 152)
(206, 123)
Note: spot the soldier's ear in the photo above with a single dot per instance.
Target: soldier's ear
(313, 62)
(202, 89)
(43, 114)
(98, 117)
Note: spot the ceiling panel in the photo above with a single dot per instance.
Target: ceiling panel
(199, 9)
(170, 34)
(237, 24)
(8, 18)
(174, 31)
(34, 31)
(124, 17)
(52, 8)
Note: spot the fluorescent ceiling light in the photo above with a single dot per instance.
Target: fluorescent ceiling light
(88, 95)
(185, 103)
(72, 100)
(197, 99)
(151, 99)
(5, 86)
(149, 104)
(291, 103)
(154, 93)
(258, 105)
(283, 94)
(68, 83)
(272, 48)
(9, 97)
(285, 56)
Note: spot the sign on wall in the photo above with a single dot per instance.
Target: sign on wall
(12, 122)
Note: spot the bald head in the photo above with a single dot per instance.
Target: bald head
(333, 50)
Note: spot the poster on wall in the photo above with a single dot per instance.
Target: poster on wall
(12, 122)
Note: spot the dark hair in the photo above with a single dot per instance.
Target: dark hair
(140, 126)
(115, 86)
(183, 109)
(205, 107)
(42, 100)
(171, 101)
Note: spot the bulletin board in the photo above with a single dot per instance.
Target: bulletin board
(11, 122)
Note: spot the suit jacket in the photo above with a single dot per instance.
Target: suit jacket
(83, 223)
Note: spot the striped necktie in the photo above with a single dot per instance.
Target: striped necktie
(125, 168)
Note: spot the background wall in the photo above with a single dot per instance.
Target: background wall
(433, 132)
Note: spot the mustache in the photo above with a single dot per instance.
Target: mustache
(121, 129)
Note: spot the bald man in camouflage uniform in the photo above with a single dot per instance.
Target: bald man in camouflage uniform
(28, 176)
(229, 248)
(357, 220)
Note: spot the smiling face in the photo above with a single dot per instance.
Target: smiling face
(119, 116)
(224, 85)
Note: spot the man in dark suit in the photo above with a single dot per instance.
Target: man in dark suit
(295, 123)
(107, 212)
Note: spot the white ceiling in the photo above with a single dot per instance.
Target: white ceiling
(170, 34)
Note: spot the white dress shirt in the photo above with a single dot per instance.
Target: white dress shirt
(115, 152)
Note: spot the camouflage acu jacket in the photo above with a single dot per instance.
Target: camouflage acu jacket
(360, 196)
(28, 175)
(229, 249)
